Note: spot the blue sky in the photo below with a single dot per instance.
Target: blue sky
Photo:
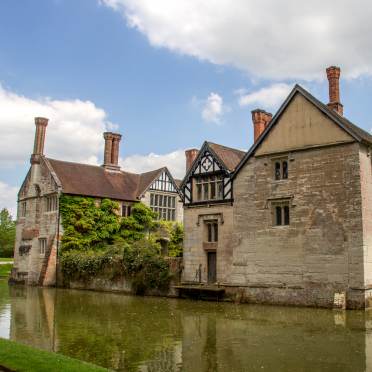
(167, 78)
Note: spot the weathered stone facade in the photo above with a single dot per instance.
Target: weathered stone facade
(321, 252)
(196, 246)
(32, 265)
(304, 238)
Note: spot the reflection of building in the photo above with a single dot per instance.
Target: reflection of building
(38, 223)
(290, 221)
(32, 316)
(120, 332)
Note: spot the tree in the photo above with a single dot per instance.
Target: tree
(7, 234)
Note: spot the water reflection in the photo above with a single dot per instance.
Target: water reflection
(153, 334)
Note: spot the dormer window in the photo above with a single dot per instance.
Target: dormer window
(281, 169)
(209, 188)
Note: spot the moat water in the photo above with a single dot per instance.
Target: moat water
(149, 334)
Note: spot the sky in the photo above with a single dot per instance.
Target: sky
(166, 74)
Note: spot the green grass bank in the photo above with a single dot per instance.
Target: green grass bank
(5, 270)
(19, 357)
(6, 259)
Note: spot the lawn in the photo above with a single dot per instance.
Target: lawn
(11, 259)
(5, 269)
(19, 357)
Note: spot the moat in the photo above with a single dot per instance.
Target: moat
(128, 333)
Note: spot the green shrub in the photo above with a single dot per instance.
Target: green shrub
(141, 262)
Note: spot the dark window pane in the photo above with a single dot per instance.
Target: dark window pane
(278, 216)
(199, 191)
(209, 232)
(277, 170)
(219, 190)
(205, 191)
(215, 226)
(213, 190)
(285, 170)
(286, 215)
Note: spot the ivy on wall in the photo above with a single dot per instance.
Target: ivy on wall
(97, 241)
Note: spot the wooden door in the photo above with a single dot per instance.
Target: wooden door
(212, 267)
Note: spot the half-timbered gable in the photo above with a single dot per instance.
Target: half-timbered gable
(209, 178)
(160, 192)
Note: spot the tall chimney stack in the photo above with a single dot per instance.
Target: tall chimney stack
(191, 155)
(333, 75)
(116, 138)
(41, 124)
(111, 153)
(260, 119)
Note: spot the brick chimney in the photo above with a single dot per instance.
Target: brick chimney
(111, 153)
(41, 124)
(191, 155)
(260, 119)
(333, 75)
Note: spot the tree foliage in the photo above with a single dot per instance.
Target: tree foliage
(7, 234)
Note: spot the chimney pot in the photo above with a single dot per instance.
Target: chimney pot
(333, 76)
(40, 124)
(191, 155)
(260, 119)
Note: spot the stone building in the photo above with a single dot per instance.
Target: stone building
(291, 222)
(39, 229)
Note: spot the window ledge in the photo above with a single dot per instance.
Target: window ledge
(210, 246)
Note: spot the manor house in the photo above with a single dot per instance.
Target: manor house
(290, 220)
(39, 228)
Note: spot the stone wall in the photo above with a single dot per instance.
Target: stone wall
(366, 187)
(321, 251)
(30, 266)
(195, 249)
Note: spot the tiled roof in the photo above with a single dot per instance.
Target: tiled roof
(92, 180)
(146, 180)
(229, 156)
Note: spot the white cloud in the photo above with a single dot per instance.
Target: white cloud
(272, 39)
(8, 198)
(267, 97)
(74, 131)
(175, 161)
(213, 108)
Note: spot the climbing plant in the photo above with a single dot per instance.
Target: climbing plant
(87, 222)
(97, 241)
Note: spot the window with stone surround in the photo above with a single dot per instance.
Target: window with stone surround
(51, 203)
(209, 188)
(281, 213)
(22, 208)
(42, 246)
(164, 206)
(280, 168)
(211, 231)
(125, 210)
